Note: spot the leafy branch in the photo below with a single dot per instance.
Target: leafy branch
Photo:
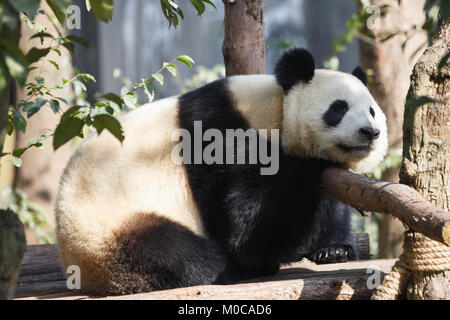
(173, 13)
(15, 65)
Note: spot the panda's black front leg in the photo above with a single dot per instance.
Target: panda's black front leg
(333, 239)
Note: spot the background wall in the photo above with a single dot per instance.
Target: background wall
(139, 46)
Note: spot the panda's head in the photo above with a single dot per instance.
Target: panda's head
(329, 114)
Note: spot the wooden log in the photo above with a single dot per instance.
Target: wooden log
(12, 248)
(396, 199)
(41, 273)
(299, 281)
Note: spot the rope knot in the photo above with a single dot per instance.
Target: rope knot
(420, 253)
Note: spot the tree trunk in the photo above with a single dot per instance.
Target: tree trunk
(41, 170)
(392, 65)
(244, 46)
(426, 147)
(12, 249)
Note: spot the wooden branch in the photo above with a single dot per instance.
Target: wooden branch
(396, 199)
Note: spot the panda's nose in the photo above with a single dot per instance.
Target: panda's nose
(369, 133)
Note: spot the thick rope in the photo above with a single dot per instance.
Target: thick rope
(420, 253)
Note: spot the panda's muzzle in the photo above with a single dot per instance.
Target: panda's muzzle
(369, 133)
(356, 149)
(366, 135)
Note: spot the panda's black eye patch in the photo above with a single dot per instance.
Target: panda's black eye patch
(335, 113)
(372, 112)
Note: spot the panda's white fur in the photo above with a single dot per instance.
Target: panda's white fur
(105, 182)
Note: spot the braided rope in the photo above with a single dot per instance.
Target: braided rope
(420, 253)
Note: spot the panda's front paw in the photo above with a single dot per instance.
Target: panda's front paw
(333, 255)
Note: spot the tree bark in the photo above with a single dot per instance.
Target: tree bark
(244, 46)
(12, 249)
(426, 146)
(40, 172)
(398, 200)
(392, 64)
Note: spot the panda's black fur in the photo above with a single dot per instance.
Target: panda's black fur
(255, 216)
(252, 223)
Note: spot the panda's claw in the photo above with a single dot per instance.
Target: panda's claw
(331, 255)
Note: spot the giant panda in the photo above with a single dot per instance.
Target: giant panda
(134, 219)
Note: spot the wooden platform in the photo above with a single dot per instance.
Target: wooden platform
(41, 277)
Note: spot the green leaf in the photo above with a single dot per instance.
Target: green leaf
(114, 98)
(17, 67)
(78, 40)
(30, 7)
(18, 152)
(111, 124)
(36, 107)
(69, 46)
(70, 113)
(199, 6)
(103, 9)
(87, 77)
(37, 142)
(19, 121)
(148, 91)
(158, 77)
(67, 129)
(55, 106)
(130, 99)
(80, 85)
(173, 4)
(171, 68)
(10, 126)
(25, 106)
(62, 100)
(210, 3)
(17, 162)
(186, 60)
(88, 5)
(39, 80)
(58, 11)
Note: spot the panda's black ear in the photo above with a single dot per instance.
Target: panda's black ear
(360, 74)
(295, 65)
